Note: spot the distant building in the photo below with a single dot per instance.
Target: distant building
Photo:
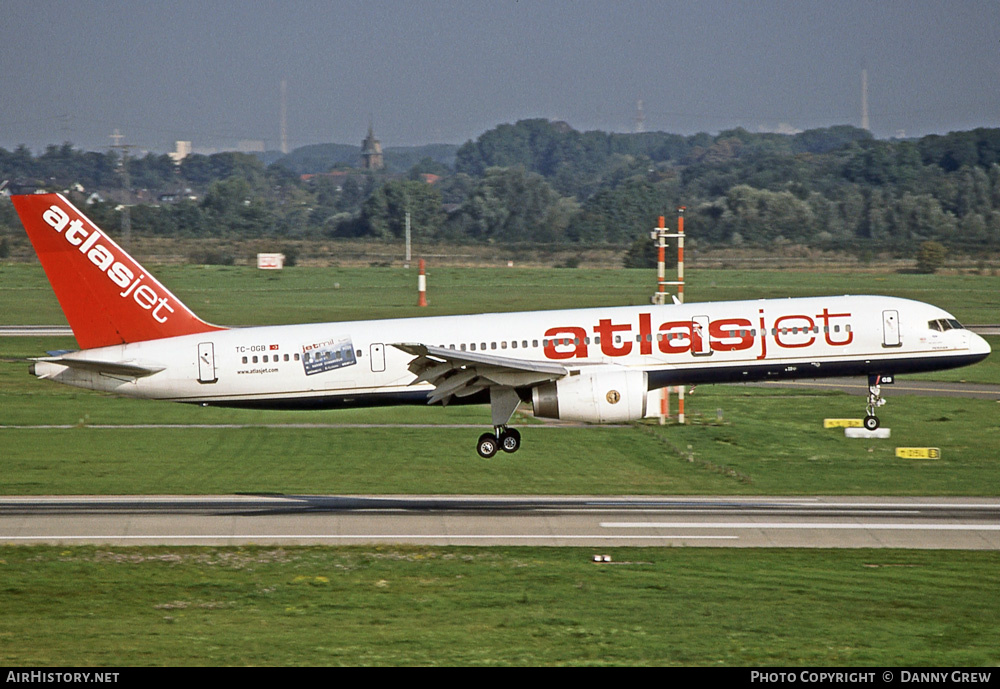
(182, 149)
(371, 152)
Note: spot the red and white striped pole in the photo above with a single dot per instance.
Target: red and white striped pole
(680, 296)
(660, 234)
(680, 254)
(661, 262)
(422, 286)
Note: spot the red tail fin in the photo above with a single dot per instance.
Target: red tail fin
(108, 298)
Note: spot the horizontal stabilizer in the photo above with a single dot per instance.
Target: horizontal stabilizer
(112, 368)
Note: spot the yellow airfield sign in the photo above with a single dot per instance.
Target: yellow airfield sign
(918, 452)
(843, 423)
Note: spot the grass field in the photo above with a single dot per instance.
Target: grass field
(740, 440)
(239, 295)
(113, 607)
(489, 606)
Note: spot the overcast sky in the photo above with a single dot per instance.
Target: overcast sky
(445, 71)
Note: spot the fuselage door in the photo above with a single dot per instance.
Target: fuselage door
(890, 329)
(700, 344)
(378, 357)
(206, 363)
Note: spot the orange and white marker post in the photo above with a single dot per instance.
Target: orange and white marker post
(680, 297)
(661, 262)
(422, 286)
(680, 254)
(660, 234)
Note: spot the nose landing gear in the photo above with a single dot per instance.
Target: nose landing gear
(875, 399)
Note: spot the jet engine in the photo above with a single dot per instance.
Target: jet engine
(602, 396)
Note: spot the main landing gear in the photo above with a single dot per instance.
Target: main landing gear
(875, 400)
(503, 404)
(502, 438)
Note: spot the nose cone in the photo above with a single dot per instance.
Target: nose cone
(979, 347)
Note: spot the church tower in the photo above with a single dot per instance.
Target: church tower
(371, 152)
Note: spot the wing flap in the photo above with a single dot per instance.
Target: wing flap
(455, 373)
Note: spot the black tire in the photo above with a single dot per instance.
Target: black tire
(871, 422)
(510, 440)
(487, 445)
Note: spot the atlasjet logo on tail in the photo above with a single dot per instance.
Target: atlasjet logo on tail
(89, 243)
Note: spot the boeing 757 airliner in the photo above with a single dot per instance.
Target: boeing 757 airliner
(593, 364)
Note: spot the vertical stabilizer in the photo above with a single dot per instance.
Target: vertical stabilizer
(108, 298)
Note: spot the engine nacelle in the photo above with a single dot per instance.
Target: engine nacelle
(602, 396)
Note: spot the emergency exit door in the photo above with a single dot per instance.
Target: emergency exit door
(378, 357)
(890, 329)
(700, 343)
(206, 363)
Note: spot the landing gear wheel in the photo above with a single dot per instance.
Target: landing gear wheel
(487, 446)
(875, 400)
(510, 440)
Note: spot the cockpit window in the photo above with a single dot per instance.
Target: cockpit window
(943, 324)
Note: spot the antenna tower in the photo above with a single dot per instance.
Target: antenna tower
(117, 137)
(284, 116)
(864, 99)
(640, 117)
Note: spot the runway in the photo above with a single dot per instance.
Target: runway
(792, 522)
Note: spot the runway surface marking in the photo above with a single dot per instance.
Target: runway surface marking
(803, 525)
(422, 537)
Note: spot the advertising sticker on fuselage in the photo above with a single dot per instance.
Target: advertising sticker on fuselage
(328, 355)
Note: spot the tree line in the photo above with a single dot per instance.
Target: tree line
(538, 181)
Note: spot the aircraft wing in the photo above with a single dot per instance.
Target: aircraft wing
(454, 373)
(111, 368)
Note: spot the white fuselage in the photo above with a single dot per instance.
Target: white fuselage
(355, 363)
